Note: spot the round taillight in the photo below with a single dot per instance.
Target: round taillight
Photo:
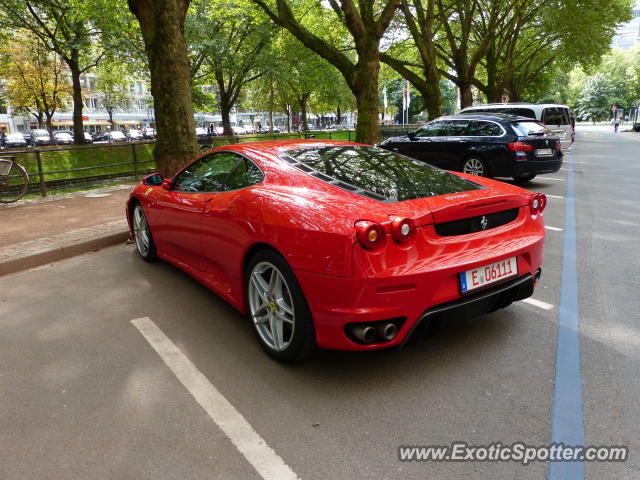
(370, 234)
(537, 203)
(402, 230)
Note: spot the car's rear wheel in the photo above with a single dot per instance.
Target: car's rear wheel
(278, 309)
(525, 177)
(475, 166)
(142, 234)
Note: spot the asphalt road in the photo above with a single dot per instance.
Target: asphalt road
(83, 395)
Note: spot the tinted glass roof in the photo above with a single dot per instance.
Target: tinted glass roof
(376, 173)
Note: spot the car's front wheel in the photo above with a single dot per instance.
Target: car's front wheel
(142, 233)
(278, 309)
(475, 166)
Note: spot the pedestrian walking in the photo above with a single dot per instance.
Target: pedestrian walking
(616, 124)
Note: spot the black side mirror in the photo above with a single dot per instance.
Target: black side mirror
(154, 180)
(411, 135)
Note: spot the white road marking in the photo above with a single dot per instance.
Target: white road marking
(262, 457)
(553, 196)
(538, 303)
(555, 229)
(555, 179)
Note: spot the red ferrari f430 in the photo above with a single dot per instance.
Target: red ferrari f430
(340, 245)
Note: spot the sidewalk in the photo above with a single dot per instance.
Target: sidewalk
(43, 230)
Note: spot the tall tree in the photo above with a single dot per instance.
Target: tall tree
(365, 23)
(67, 28)
(162, 25)
(112, 85)
(227, 41)
(420, 18)
(35, 78)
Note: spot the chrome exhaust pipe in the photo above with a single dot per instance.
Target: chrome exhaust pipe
(364, 333)
(386, 331)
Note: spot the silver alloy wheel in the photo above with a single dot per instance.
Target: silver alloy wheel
(474, 166)
(141, 231)
(271, 306)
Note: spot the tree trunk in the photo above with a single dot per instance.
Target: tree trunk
(162, 25)
(78, 127)
(338, 115)
(49, 124)
(466, 95)
(225, 111)
(432, 96)
(303, 108)
(365, 89)
(271, 107)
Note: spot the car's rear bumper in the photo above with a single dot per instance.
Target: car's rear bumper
(537, 167)
(405, 298)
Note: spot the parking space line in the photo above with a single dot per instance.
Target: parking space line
(553, 196)
(538, 303)
(567, 414)
(262, 457)
(554, 179)
(555, 229)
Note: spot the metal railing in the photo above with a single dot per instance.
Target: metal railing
(42, 166)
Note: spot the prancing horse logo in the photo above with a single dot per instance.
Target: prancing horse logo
(484, 223)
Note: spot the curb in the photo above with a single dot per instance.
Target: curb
(39, 255)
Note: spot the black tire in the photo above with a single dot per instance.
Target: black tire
(14, 184)
(149, 253)
(302, 340)
(475, 164)
(525, 177)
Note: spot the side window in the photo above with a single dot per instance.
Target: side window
(486, 129)
(433, 129)
(455, 128)
(244, 175)
(207, 174)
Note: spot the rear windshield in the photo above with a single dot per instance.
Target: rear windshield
(525, 129)
(377, 173)
(519, 111)
(556, 116)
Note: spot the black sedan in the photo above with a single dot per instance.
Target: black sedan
(486, 145)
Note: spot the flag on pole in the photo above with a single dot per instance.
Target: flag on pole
(404, 98)
(408, 95)
(384, 92)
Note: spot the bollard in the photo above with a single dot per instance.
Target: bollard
(43, 187)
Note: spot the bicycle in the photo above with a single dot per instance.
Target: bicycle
(14, 180)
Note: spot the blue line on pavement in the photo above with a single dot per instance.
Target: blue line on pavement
(567, 423)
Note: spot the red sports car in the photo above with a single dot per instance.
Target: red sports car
(340, 245)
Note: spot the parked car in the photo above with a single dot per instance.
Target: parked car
(149, 133)
(40, 137)
(202, 132)
(237, 130)
(88, 138)
(265, 129)
(486, 145)
(340, 245)
(135, 135)
(14, 140)
(558, 118)
(27, 138)
(62, 138)
(111, 137)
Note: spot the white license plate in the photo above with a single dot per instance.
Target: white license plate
(544, 152)
(481, 276)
